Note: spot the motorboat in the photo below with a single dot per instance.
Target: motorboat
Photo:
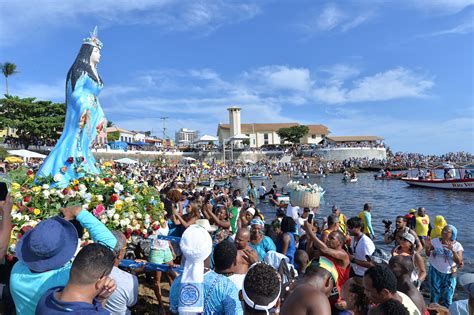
(391, 177)
(465, 184)
(258, 176)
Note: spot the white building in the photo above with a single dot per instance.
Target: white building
(125, 135)
(186, 136)
(264, 134)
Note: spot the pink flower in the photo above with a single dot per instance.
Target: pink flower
(98, 210)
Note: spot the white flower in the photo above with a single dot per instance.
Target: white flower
(137, 226)
(138, 215)
(52, 191)
(104, 220)
(26, 217)
(46, 193)
(116, 222)
(131, 215)
(58, 177)
(45, 186)
(146, 224)
(144, 231)
(82, 187)
(110, 213)
(60, 195)
(127, 220)
(123, 223)
(116, 216)
(12, 248)
(128, 200)
(118, 187)
(17, 195)
(85, 206)
(99, 198)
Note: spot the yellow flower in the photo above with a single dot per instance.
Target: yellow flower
(162, 221)
(75, 182)
(131, 182)
(15, 186)
(101, 182)
(107, 164)
(37, 211)
(36, 189)
(15, 208)
(118, 204)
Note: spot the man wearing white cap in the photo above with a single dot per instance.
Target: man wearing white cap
(199, 289)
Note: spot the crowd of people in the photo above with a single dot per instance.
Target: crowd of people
(220, 255)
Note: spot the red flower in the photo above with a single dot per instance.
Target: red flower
(30, 209)
(145, 235)
(76, 188)
(129, 231)
(106, 180)
(70, 159)
(98, 210)
(30, 172)
(155, 227)
(26, 228)
(114, 198)
(18, 236)
(27, 198)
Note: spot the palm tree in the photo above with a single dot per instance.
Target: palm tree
(8, 69)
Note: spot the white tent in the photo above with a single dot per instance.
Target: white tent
(207, 138)
(187, 158)
(126, 161)
(26, 154)
(249, 162)
(239, 137)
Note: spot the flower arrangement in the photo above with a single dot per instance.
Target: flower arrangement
(117, 201)
(312, 188)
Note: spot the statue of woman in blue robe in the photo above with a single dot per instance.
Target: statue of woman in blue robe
(72, 158)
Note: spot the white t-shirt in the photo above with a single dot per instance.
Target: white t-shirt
(300, 222)
(292, 212)
(126, 293)
(363, 247)
(409, 305)
(262, 190)
(157, 243)
(441, 258)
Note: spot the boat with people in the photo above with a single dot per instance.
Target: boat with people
(390, 177)
(349, 177)
(453, 178)
(465, 184)
(300, 176)
(260, 176)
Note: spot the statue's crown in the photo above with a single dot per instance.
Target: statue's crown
(93, 39)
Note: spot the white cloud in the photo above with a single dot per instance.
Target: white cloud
(55, 92)
(20, 19)
(334, 18)
(330, 17)
(280, 78)
(392, 84)
(463, 28)
(438, 7)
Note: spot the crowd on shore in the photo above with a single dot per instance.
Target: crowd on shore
(221, 256)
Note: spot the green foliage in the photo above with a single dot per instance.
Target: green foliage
(110, 123)
(113, 136)
(8, 69)
(293, 134)
(32, 119)
(3, 153)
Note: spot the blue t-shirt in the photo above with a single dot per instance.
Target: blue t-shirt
(220, 295)
(263, 247)
(50, 305)
(290, 252)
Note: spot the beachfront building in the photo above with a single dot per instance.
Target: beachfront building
(185, 137)
(266, 134)
(125, 135)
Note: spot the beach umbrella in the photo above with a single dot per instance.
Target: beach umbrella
(26, 154)
(126, 161)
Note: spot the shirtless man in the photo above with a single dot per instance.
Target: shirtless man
(311, 294)
(244, 251)
(402, 267)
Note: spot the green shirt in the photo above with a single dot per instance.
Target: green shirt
(233, 221)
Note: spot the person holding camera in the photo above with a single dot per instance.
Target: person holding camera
(400, 229)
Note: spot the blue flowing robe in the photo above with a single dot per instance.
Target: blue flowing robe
(78, 134)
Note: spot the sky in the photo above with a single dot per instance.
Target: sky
(398, 69)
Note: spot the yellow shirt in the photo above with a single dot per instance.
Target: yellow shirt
(342, 223)
(422, 225)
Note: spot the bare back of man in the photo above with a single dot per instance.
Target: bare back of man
(306, 299)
